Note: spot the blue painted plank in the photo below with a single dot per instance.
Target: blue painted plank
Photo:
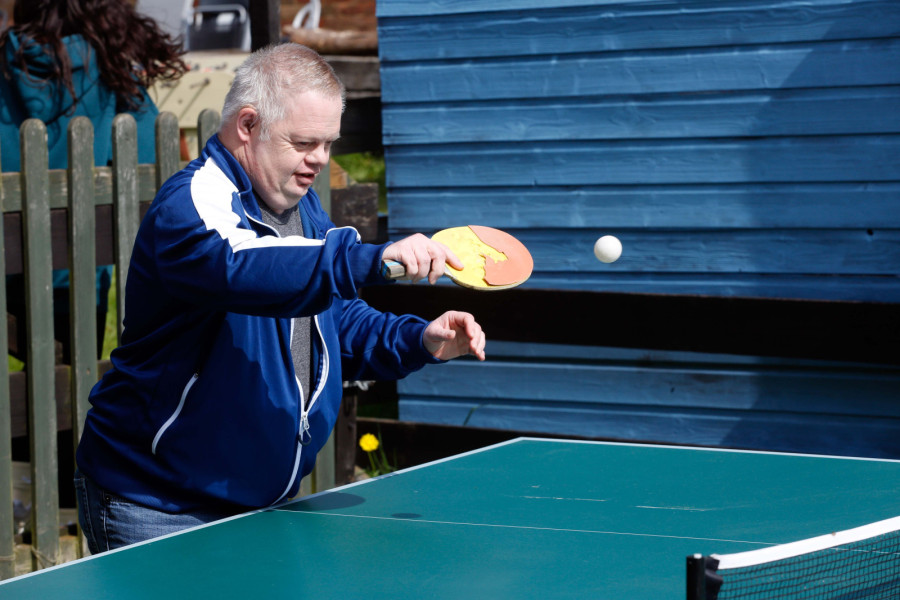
(388, 9)
(801, 65)
(687, 385)
(422, 8)
(503, 350)
(805, 252)
(820, 111)
(856, 288)
(695, 207)
(836, 264)
(817, 434)
(847, 288)
(821, 159)
(492, 29)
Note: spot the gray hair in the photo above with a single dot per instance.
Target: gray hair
(274, 74)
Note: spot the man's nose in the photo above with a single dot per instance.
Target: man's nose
(320, 154)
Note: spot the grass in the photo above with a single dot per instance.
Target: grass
(111, 332)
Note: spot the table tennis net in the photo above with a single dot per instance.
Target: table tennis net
(856, 564)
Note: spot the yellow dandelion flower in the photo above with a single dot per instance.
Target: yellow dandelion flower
(368, 442)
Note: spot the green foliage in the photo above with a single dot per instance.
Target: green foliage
(366, 167)
(110, 333)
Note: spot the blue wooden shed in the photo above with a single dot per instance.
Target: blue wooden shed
(746, 153)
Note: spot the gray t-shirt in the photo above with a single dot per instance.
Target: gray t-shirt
(290, 223)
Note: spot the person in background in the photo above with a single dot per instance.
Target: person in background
(66, 58)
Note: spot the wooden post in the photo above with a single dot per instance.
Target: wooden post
(323, 475)
(7, 524)
(208, 122)
(125, 203)
(40, 358)
(345, 437)
(82, 268)
(265, 23)
(322, 186)
(82, 275)
(168, 149)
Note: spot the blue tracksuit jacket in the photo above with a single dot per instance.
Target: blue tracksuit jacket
(202, 407)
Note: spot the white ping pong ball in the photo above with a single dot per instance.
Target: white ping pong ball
(608, 249)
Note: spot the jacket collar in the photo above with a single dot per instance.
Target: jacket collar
(235, 172)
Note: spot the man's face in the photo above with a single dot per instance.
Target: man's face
(283, 168)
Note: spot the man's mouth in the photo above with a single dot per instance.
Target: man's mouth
(307, 178)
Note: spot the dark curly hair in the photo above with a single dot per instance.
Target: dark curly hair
(131, 50)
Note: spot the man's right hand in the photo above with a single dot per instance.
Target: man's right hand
(422, 257)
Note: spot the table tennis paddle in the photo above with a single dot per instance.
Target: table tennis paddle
(493, 259)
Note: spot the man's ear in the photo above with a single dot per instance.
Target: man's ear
(247, 119)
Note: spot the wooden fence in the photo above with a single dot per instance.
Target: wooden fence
(56, 219)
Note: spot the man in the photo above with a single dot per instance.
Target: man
(242, 320)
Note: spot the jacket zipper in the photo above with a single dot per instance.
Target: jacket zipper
(175, 414)
(303, 435)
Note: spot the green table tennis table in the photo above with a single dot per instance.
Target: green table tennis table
(528, 518)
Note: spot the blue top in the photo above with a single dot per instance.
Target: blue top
(202, 405)
(24, 97)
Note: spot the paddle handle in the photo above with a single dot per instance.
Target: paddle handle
(391, 270)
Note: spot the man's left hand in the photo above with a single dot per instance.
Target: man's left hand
(454, 334)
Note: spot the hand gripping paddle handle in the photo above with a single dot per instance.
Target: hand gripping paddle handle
(391, 270)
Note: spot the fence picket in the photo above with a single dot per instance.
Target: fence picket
(207, 124)
(168, 149)
(7, 523)
(40, 357)
(82, 267)
(82, 273)
(126, 210)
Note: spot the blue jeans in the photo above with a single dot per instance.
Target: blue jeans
(109, 521)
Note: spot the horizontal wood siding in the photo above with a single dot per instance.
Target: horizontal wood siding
(747, 149)
(756, 132)
(720, 400)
